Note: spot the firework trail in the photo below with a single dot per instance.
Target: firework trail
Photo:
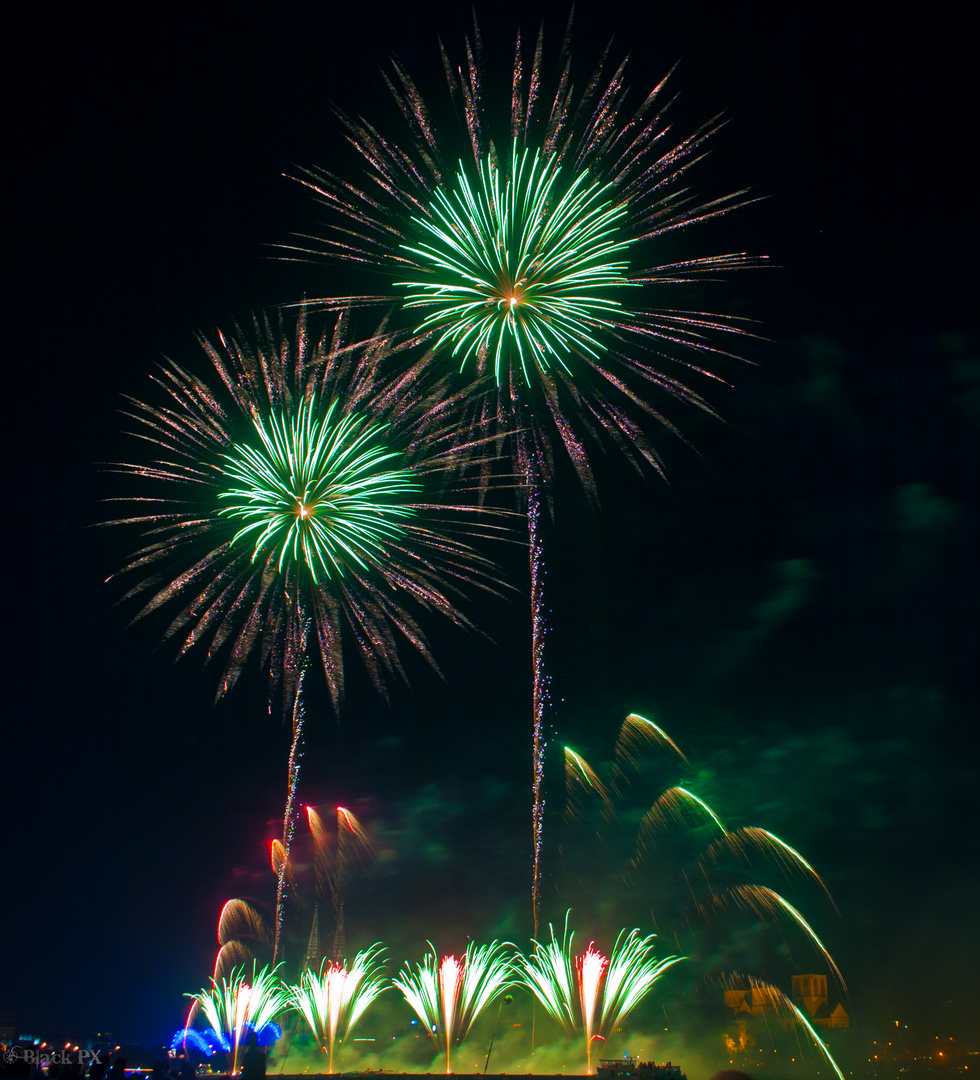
(238, 924)
(717, 880)
(335, 863)
(241, 1005)
(335, 860)
(637, 738)
(447, 995)
(231, 955)
(581, 780)
(679, 805)
(591, 993)
(767, 903)
(333, 1001)
(239, 919)
(532, 265)
(321, 854)
(353, 848)
(292, 782)
(817, 1041)
(539, 696)
(289, 502)
(774, 998)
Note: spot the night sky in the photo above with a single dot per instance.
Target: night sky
(796, 604)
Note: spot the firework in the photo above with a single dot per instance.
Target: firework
(516, 272)
(767, 996)
(637, 737)
(536, 272)
(333, 1001)
(590, 994)
(240, 928)
(581, 780)
(240, 1006)
(334, 861)
(679, 805)
(682, 838)
(768, 903)
(448, 994)
(239, 919)
(291, 503)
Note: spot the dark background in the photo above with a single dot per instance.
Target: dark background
(796, 605)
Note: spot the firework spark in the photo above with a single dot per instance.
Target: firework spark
(290, 503)
(448, 994)
(541, 267)
(241, 1005)
(590, 994)
(333, 1001)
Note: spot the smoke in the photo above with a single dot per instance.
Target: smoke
(512, 1037)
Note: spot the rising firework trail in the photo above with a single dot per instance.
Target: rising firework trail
(297, 507)
(532, 265)
(448, 994)
(334, 1000)
(590, 994)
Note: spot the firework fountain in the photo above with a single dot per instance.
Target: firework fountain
(448, 994)
(333, 1001)
(240, 1006)
(589, 994)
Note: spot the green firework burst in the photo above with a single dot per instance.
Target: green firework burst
(548, 258)
(319, 489)
(521, 266)
(301, 499)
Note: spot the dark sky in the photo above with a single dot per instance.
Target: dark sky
(796, 605)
